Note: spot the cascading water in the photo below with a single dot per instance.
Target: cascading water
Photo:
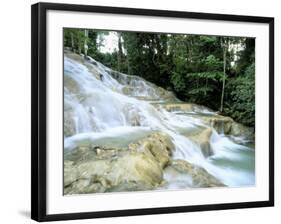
(114, 108)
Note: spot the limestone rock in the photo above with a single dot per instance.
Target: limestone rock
(200, 177)
(71, 85)
(222, 124)
(158, 145)
(91, 169)
(68, 123)
(228, 126)
(133, 171)
(241, 130)
(70, 174)
(203, 140)
(185, 107)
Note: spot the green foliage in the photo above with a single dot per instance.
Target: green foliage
(215, 76)
(178, 82)
(241, 104)
(212, 63)
(75, 38)
(194, 67)
(247, 55)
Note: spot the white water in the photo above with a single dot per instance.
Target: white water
(102, 111)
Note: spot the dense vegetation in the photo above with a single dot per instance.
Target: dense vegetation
(215, 71)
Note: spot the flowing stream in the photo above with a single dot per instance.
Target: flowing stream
(114, 109)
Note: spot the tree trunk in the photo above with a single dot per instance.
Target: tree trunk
(85, 43)
(225, 48)
(128, 65)
(72, 42)
(119, 53)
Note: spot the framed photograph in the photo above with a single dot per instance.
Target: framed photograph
(140, 111)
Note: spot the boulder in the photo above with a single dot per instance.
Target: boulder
(70, 174)
(200, 177)
(157, 145)
(165, 94)
(222, 124)
(247, 133)
(92, 169)
(71, 85)
(68, 123)
(228, 126)
(202, 139)
(127, 90)
(129, 172)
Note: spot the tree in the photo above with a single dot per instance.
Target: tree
(217, 72)
(120, 51)
(85, 42)
(225, 47)
(241, 105)
(75, 39)
(92, 44)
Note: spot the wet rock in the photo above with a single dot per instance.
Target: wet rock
(238, 130)
(90, 63)
(84, 186)
(133, 115)
(222, 124)
(71, 85)
(138, 169)
(91, 169)
(228, 126)
(70, 174)
(91, 60)
(182, 107)
(132, 171)
(88, 152)
(202, 139)
(166, 95)
(123, 78)
(185, 107)
(127, 90)
(68, 123)
(157, 145)
(200, 177)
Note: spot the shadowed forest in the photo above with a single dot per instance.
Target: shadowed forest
(214, 71)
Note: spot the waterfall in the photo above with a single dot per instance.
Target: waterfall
(102, 104)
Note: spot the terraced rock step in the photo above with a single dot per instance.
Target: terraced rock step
(199, 176)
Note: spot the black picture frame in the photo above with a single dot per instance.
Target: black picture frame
(39, 108)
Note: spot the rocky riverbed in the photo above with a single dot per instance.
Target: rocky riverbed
(122, 133)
